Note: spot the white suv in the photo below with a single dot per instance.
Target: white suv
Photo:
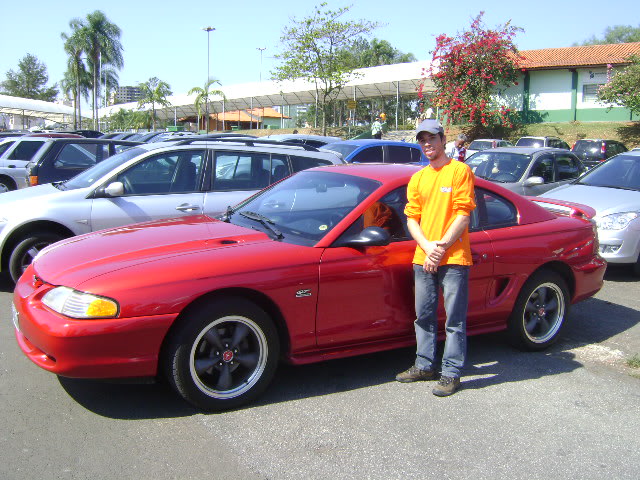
(147, 182)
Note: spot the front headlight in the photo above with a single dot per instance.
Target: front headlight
(617, 221)
(75, 304)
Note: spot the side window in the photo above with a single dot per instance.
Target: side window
(369, 155)
(387, 213)
(25, 150)
(568, 167)
(543, 168)
(82, 155)
(279, 168)
(241, 171)
(174, 172)
(5, 146)
(494, 211)
(302, 163)
(399, 154)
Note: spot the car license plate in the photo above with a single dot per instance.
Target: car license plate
(15, 316)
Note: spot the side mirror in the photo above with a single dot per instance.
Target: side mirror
(533, 181)
(369, 237)
(115, 189)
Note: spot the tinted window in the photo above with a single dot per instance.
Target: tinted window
(368, 155)
(622, 171)
(494, 211)
(587, 146)
(530, 142)
(174, 172)
(400, 154)
(241, 171)
(302, 163)
(543, 167)
(480, 145)
(83, 155)
(25, 150)
(5, 146)
(92, 174)
(568, 167)
(344, 148)
(503, 167)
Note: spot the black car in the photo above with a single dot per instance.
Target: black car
(64, 158)
(536, 142)
(594, 151)
(88, 133)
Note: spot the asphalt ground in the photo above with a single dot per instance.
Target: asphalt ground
(570, 412)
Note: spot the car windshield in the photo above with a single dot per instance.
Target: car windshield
(89, 176)
(304, 207)
(530, 142)
(502, 167)
(343, 148)
(480, 144)
(621, 171)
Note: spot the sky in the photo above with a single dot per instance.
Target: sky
(166, 39)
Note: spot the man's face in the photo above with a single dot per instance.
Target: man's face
(432, 145)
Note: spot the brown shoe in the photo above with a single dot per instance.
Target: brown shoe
(415, 374)
(446, 386)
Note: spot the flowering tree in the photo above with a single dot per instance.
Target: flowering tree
(469, 69)
(623, 87)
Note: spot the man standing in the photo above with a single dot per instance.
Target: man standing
(456, 149)
(440, 200)
(376, 129)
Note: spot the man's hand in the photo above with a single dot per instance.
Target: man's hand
(434, 252)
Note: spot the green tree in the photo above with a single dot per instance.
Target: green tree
(30, 80)
(623, 87)
(363, 54)
(467, 71)
(100, 40)
(155, 92)
(77, 79)
(202, 97)
(125, 119)
(615, 34)
(311, 49)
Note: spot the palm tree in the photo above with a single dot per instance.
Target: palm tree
(77, 79)
(202, 97)
(101, 42)
(154, 91)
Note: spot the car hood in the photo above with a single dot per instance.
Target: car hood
(77, 259)
(36, 193)
(604, 200)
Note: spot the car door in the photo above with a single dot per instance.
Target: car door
(543, 166)
(568, 168)
(160, 186)
(368, 154)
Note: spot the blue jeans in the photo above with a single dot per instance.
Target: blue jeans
(454, 281)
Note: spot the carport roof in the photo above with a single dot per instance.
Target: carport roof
(386, 80)
(36, 108)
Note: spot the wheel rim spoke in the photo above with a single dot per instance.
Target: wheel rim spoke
(204, 364)
(531, 324)
(544, 325)
(248, 360)
(552, 306)
(239, 334)
(542, 294)
(224, 382)
(213, 337)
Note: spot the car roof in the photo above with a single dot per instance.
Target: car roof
(526, 150)
(374, 141)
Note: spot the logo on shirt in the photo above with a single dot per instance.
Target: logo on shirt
(445, 189)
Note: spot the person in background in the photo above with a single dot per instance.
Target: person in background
(440, 199)
(376, 129)
(456, 149)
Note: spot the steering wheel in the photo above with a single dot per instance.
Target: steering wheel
(128, 186)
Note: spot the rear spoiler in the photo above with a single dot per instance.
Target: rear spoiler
(562, 207)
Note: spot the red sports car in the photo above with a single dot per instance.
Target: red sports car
(313, 268)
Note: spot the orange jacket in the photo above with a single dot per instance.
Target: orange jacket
(435, 197)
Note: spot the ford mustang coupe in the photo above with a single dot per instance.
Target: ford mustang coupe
(315, 267)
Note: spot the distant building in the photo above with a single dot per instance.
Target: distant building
(126, 94)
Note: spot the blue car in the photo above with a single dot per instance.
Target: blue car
(377, 151)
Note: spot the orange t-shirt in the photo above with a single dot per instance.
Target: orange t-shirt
(435, 197)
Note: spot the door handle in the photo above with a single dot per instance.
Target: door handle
(185, 207)
(477, 258)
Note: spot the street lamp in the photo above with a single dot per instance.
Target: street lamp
(262, 49)
(208, 30)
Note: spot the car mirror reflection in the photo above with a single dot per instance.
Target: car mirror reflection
(369, 237)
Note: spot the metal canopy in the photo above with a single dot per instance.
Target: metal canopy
(36, 108)
(384, 81)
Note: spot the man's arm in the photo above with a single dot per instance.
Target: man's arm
(433, 251)
(453, 233)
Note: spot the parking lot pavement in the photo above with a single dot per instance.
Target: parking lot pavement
(569, 412)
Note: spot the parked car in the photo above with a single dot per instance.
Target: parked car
(10, 133)
(592, 152)
(299, 272)
(485, 143)
(88, 133)
(613, 190)
(15, 153)
(524, 170)
(53, 135)
(377, 151)
(145, 182)
(118, 135)
(63, 158)
(313, 140)
(553, 142)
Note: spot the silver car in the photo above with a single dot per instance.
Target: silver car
(15, 153)
(527, 171)
(613, 189)
(147, 182)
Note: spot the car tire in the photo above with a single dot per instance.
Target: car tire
(7, 185)
(635, 268)
(222, 354)
(540, 311)
(26, 250)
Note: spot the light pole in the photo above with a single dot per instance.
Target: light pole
(262, 49)
(208, 30)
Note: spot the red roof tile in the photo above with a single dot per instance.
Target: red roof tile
(591, 55)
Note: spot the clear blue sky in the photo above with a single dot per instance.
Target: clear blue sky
(166, 40)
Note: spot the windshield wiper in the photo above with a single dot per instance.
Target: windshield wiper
(226, 216)
(265, 221)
